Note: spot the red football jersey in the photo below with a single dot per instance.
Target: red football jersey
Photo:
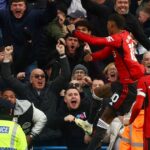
(121, 46)
(143, 99)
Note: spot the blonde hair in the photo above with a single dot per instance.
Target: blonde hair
(107, 67)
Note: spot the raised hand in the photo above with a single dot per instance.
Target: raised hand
(8, 50)
(69, 118)
(60, 47)
(87, 48)
(88, 58)
(71, 28)
(8, 53)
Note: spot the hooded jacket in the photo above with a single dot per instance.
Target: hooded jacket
(31, 119)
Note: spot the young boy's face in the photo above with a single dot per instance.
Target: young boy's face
(72, 99)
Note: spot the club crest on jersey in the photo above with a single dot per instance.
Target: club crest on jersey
(4, 129)
(109, 39)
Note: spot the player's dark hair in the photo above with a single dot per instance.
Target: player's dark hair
(15, 1)
(118, 19)
(83, 23)
(114, 1)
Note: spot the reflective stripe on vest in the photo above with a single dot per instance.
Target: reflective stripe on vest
(13, 136)
(133, 144)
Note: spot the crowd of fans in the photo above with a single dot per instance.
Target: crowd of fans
(53, 72)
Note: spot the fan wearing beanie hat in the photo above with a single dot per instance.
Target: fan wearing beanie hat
(80, 76)
(79, 71)
(80, 67)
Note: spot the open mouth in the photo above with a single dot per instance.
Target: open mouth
(72, 47)
(73, 103)
(40, 83)
(17, 12)
(113, 75)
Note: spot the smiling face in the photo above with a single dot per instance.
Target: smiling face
(18, 9)
(122, 6)
(37, 79)
(72, 98)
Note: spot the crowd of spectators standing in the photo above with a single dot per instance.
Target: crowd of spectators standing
(42, 67)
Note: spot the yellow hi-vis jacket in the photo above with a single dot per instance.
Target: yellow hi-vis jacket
(12, 136)
(132, 137)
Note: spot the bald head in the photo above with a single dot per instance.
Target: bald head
(37, 79)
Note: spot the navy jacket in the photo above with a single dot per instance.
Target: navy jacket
(18, 32)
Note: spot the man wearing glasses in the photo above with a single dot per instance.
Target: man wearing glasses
(43, 95)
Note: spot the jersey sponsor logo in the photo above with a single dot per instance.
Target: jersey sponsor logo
(4, 129)
(109, 39)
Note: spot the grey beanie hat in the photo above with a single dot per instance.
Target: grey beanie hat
(80, 67)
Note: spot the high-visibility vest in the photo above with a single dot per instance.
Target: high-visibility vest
(132, 137)
(12, 136)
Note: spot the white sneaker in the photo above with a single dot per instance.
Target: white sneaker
(85, 125)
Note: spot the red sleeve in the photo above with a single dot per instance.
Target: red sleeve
(102, 54)
(136, 108)
(141, 93)
(114, 40)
